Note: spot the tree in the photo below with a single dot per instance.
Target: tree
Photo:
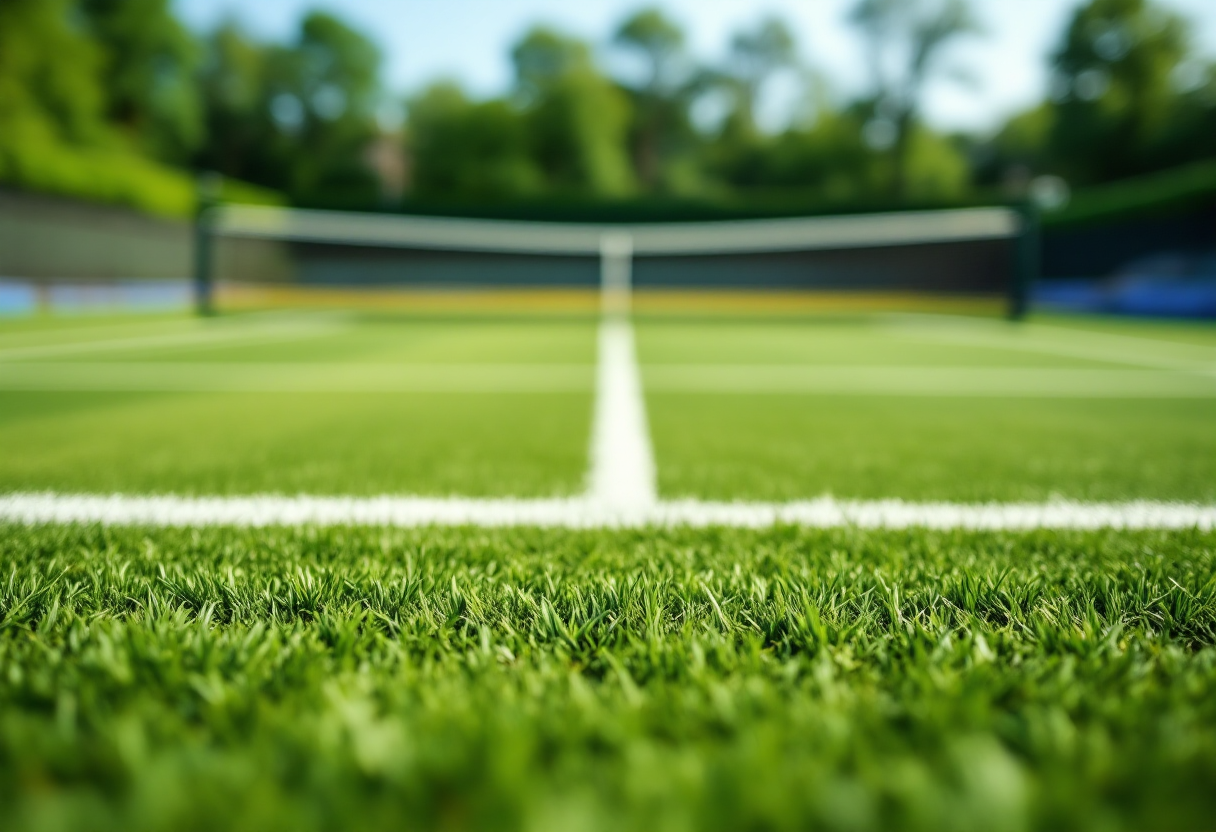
(1017, 151)
(44, 97)
(757, 54)
(543, 57)
(661, 119)
(465, 150)
(905, 40)
(298, 117)
(577, 120)
(148, 64)
(1189, 133)
(334, 73)
(1115, 89)
(659, 41)
(240, 135)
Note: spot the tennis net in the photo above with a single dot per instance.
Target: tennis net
(259, 256)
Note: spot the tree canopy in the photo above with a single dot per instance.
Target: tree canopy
(310, 115)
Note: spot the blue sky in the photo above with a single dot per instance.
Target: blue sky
(469, 39)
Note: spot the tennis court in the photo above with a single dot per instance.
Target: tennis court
(760, 408)
(575, 557)
(322, 403)
(925, 408)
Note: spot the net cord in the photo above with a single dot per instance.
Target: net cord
(514, 237)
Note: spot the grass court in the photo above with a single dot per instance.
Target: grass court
(662, 678)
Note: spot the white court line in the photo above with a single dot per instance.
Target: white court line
(589, 512)
(622, 475)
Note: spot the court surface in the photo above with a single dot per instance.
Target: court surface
(336, 639)
(913, 407)
(318, 403)
(931, 408)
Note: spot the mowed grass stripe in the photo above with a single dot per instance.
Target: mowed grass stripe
(851, 380)
(192, 335)
(674, 378)
(1051, 339)
(296, 377)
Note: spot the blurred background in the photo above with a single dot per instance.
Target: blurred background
(1100, 112)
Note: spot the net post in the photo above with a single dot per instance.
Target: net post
(616, 273)
(1026, 261)
(204, 243)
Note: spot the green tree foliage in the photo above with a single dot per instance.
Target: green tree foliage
(740, 156)
(54, 134)
(241, 140)
(1193, 120)
(297, 117)
(1115, 85)
(148, 72)
(660, 41)
(1130, 96)
(828, 161)
(333, 72)
(468, 150)
(905, 40)
(756, 54)
(563, 131)
(1017, 150)
(42, 96)
(662, 130)
(577, 120)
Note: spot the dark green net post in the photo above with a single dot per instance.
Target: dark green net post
(204, 243)
(1026, 265)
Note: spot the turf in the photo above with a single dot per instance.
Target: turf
(237, 443)
(782, 447)
(136, 434)
(528, 679)
(757, 443)
(341, 442)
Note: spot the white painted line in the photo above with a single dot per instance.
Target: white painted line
(622, 475)
(588, 512)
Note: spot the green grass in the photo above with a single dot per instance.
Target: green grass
(779, 445)
(753, 444)
(782, 447)
(470, 443)
(237, 443)
(315, 679)
(528, 679)
(749, 444)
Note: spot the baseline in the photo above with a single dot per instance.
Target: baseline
(589, 513)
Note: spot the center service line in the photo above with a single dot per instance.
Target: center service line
(622, 475)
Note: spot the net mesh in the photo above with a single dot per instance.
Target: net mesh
(272, 256)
